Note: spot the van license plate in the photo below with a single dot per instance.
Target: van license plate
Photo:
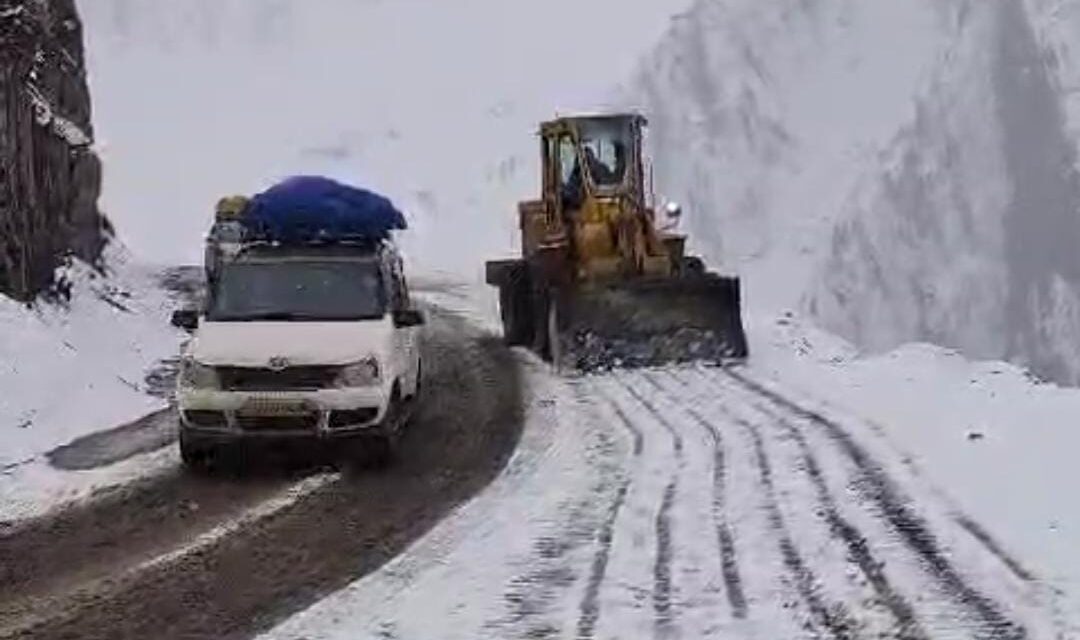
(274, 407)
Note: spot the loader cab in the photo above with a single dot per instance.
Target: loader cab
(590, 157)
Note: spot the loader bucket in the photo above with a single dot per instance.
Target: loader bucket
(648, 323)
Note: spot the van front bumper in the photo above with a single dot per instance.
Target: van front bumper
(323, 414)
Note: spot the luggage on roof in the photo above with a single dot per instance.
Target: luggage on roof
(306, 208)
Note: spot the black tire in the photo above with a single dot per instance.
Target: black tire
(540, 309)
(382, 447)
(419, 380)
(413, 405)
(193, 454)
(551, 327)
(212, 458)
(515, 305)
(382, 451)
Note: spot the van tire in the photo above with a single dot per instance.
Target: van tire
(193, 455)
(382, 452)
(382, 448)
(419, 379)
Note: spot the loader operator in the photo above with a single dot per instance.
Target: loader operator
(604, 174)
(573, 191)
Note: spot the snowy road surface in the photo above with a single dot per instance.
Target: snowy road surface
(688, 502)
(691, 503)
(178, 555)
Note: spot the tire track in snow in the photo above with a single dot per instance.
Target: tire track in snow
(535, 598)
(992, 545)
(676, 437)
(662, 569)
(624, 421)
(589, 609)
(908, 627)
(829, 617)
(590, 606)
(645, 466)
(662, 585)
(912, 529)
(832, 618)
(729, 566)
(531, 596)
(854, 541)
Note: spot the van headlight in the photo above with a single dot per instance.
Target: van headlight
(360, 374)
(197, 376)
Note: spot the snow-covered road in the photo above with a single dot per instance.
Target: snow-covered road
(684, 502)
(693, 503)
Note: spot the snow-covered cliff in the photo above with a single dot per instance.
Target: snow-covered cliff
(900, 171)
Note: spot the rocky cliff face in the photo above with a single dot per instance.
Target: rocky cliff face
(49, 176)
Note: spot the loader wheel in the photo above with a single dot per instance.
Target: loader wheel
(538, 315)
(516, 309)
(552, 329)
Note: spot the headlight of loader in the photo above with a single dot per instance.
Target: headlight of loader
(360, 374)
(197, 376)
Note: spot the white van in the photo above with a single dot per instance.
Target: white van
(313, 343)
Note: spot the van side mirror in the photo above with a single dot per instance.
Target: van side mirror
(408, 318)
(186, 319)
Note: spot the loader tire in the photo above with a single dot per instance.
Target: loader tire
(515, 306)
(551, 327)
(541, 302)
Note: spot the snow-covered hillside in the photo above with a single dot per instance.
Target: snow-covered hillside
(902, 171)
(79, 365)
(435, 103)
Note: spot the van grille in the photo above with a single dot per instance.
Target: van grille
(289, 379)
(302, 422)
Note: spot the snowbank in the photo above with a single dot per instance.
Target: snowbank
(74, 367)
(995, 442)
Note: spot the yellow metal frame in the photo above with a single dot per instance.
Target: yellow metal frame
(611, 236)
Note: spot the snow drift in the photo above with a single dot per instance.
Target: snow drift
(901, 171)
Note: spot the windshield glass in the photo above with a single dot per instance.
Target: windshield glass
(606, 144)
(327, 290)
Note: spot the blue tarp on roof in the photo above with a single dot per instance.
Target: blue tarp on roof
(310, 207)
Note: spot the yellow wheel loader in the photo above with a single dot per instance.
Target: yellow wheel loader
(599, 283)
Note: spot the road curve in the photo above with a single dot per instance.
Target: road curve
(182, 556)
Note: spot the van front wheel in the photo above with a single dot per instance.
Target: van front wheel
(193, 454)
(383, 446)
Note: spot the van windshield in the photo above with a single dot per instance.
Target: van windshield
(297, 291)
